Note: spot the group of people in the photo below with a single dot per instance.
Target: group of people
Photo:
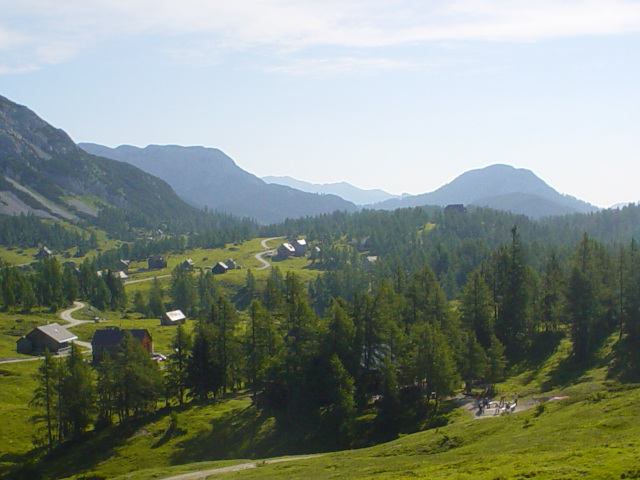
(503, 406)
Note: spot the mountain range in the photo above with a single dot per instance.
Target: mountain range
(206, 177)
(43, 172)
(342, 189)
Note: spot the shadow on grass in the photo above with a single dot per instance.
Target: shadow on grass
(544, 346)
(245, 433)
(570, 369)
(75, 457)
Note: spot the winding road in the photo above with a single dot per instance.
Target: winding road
(271, 251)
(73, 322)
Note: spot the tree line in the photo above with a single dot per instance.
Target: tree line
(51, 285)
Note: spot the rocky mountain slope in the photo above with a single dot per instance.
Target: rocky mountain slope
(501, 187)
(43, 172)
(208, 177)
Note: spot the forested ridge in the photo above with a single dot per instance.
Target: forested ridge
(451, 300)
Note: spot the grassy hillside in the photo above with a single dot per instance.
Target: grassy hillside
(592, 433)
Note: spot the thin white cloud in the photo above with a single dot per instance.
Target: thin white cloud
(52, 32)
(323, 67)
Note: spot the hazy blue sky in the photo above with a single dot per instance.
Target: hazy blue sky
(398, 95)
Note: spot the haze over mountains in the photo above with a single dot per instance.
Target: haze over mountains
(501, 187)
(45, 173)
(342, 189)
(208, 177)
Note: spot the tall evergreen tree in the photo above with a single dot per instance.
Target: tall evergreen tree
(178, 362)
(589, 297)
(138, 382)
(204, 375)
(261, 343)
(433, 361)
(107, 390)
(183, 290)
(156, 298)
(513, 295)
(224, 320)
(77, 394)
(46, 398)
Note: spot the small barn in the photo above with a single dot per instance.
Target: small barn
(286, 250)
(52, 337)
(122, 265)
(300, 247)
(109, 339)
(455, 208)
(231, 264)
(156, 262)
(175, 317)
(219, 268)
(44, 252)
(188, 264)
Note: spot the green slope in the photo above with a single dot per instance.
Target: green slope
(593, 433)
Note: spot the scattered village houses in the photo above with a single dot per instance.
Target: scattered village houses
(109, 339)
(219, 268)
(297, 248)
(53, 337)
(175, 317)
(118, 274)
(156, 262)
(231, 264)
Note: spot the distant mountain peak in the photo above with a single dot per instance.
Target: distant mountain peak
(502, 187)
(342, 189)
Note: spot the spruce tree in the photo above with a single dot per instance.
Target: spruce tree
(77, 394)
(46, 398)
(178, 362)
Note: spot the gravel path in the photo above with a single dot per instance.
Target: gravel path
(203, 474)
(66, 316)
(260, 256)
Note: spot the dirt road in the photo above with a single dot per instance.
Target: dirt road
(202, 474)
(260, 256)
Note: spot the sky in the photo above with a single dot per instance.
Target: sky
(401, 95)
